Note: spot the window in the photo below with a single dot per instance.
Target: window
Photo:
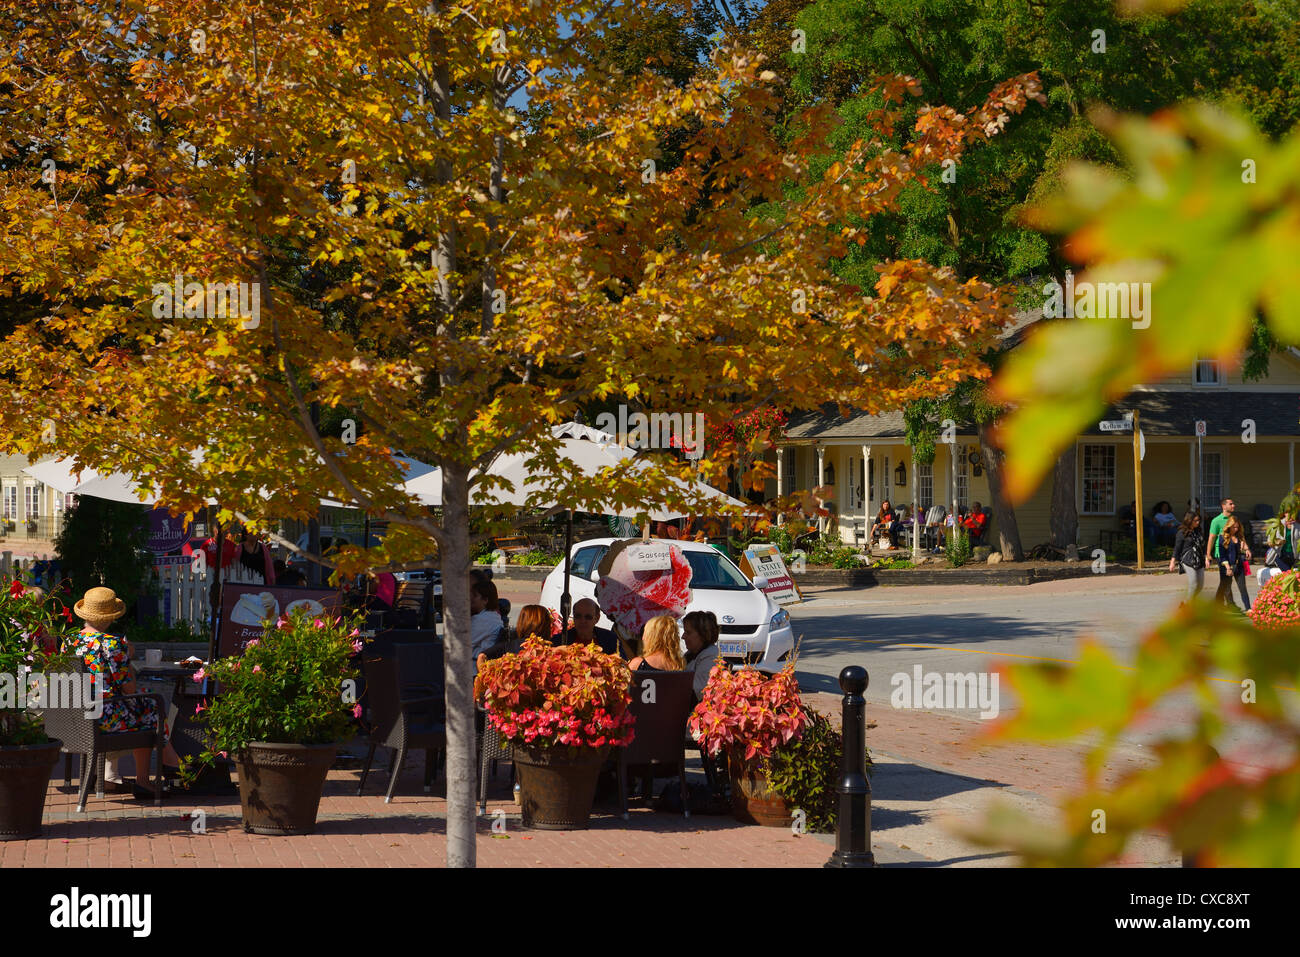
(1098, 480)
(585, 559)
(1212, 484)
(11, 503)
(32, 499)
(1208, 372)
(925, 483)
(790, 482)
(963, 477)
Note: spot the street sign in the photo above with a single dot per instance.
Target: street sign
(1115, 425)
(1200, 426)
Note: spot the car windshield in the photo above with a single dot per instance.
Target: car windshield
(712, 570)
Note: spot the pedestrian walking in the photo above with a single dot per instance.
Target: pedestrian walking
(1224, 592)
(1189, 546)
(1234, 556)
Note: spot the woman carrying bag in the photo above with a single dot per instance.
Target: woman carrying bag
(1189, 547)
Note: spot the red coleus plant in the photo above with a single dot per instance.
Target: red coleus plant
(748, 709)
(547, 696)
(1278, 603)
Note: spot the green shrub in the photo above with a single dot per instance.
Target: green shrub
(155, 630)
(845, 557)
(782, 539)
(538, 557)
(893, 563)
(958, 550)
(806, 772)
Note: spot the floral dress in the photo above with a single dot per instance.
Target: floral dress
(106, 656)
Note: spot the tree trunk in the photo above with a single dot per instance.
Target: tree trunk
(1004, 513)
(1064, 518)
(457, 651)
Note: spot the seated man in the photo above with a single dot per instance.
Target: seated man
(976, 523)
(585, 615)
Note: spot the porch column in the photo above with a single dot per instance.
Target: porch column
(952, 478)
(866, 487)
(780, 480)
(821, 479)
(1290, 464)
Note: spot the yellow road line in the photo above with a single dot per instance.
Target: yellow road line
(1011, 654)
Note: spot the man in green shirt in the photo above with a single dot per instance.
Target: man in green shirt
(1224, 593)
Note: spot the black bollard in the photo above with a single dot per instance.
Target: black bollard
(853, 823)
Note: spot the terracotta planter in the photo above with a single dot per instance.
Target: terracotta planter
(24, 778)
(558, 785)
(280, 786)
(752, 799)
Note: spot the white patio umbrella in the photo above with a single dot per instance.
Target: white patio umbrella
(588, 456)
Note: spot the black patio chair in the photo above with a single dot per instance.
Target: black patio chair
(661, 701)
(404, 690)
(81, 736)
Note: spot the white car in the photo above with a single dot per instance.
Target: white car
(753, 628)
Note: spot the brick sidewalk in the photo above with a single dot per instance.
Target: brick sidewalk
(410, 832)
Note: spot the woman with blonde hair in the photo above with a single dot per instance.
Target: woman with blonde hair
(661, 646)
(1234, 553)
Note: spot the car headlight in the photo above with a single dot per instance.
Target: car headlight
(780, 619)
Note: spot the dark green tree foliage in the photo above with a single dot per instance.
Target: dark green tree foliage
(102, 543)
(1247, 54)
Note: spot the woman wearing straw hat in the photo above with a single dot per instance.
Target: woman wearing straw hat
(108, 657)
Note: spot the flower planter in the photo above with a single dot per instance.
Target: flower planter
(280, 786)
(558, 786)
(752, 799)
(24, 778)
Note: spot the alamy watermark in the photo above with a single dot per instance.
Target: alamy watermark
(59, 691)
(1086, 300)
(659, 430)
(931, 689)
(208, 300)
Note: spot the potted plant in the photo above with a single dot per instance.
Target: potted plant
(281, 710)
(561, 709)
(31, 626)
(748, 715)
(1277, 605)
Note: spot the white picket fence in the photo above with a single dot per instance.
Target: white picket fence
(182, 592)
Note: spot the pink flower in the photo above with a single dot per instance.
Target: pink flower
(200, 708)
(356, 711)
(357, 646)
(200, 675)
(282, 623)
(354, 633)
(252, 643)
(319, 623)
(257, 669)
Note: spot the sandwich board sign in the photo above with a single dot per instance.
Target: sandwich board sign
(765, 561)
(246, 608)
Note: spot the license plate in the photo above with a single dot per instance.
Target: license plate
(733, 649)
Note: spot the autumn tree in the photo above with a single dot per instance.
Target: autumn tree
(410, 246)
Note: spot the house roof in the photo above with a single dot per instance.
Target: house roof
(1176, 413)
(1161, 413)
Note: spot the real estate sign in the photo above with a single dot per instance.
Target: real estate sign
(765, 561)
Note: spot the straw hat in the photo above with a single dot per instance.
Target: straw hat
(100, 604)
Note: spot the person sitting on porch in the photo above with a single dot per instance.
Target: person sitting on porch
(1166, 524)
(886, 524)
(976, 522)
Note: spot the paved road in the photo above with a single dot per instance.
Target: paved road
(970, 628)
